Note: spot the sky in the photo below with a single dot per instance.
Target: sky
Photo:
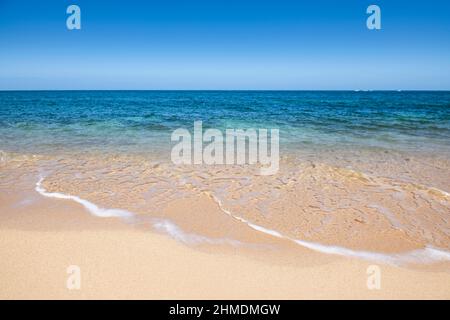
(225, 44)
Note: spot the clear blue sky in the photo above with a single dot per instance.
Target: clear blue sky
(226, 44)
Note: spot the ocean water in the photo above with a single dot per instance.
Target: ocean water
(142, 121)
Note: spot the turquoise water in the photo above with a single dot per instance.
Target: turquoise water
(142, 121)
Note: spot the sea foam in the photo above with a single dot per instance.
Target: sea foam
(162, 225)
(426, 255)
(92, 208)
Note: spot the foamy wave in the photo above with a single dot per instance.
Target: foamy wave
(162, 225)
(425, 255)
(92, 208)
(175, 232)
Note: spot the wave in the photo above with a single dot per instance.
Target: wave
(175, 232)
(426, 255)
(162, 225)
(92, 208)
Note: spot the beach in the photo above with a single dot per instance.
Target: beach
(87, 181)
(118, 261)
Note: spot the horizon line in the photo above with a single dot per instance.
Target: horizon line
(261, 90)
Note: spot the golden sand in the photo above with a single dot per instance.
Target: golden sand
(220, 232)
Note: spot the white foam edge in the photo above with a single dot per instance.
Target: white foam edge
(426, 255)
(162, 225)
(89, 206)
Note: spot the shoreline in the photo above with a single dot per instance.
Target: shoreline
(427, 255)
(180, 236)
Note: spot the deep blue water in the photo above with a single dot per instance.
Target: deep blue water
(46, 121)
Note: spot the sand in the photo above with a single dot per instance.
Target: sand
(188, 239)
(119, 261)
